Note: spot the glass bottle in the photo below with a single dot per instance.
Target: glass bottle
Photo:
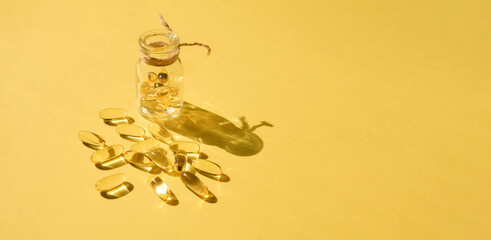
(160, 76)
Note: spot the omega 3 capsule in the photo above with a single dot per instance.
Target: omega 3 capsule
(186, 146)
(160, 133)
(141, 161)
(119, 191)
(207, 167)
(91, 140)
(159, 159)
(180, 161)
(113, 113)
(197, 187)
(131, 132)
(110, 182)
(163, 191)
(107, 153)
(145, 145)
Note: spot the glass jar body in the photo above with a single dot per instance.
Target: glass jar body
(160, 90)
(160, 76)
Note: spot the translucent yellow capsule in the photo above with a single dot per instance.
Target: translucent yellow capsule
(200, 155)
(160, 133)
(140, 161)
(197, 187)
(113, 113)
(107, 153)
(145, 88)
(189, 168)
(112, 163)
(151, 77)
(159, 159)
(119, 191)
(145, 145)
(206, 167)
(186, 146)
(117, 121)
(91, 140)
(131, 132)
(163, 191)
(180, 161)
(110, 182)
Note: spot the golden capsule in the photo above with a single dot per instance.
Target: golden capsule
(110, 182)
(140, 161)
(119, 191)
(107, 153)
(113, 113)
(145, 88)
(197, 187)
(163, 191)
(112, 163)
(180, 161)
(151, 77)
(160, 133)
(207, 167)
(200, 155)
(189, 168)
(159, 159)
(117, 121)
(91, 140)
(145, 145)
(186, 146)
(131, 132)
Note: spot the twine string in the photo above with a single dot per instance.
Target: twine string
(173, 56)
(184, 44)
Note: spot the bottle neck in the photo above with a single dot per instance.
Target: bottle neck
(159, 47)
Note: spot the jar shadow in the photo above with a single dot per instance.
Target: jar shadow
(209, 128)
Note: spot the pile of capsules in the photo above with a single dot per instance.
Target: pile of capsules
(156, 92)
(151, 155)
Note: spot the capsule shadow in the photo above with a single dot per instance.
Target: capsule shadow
(209, 128)
(132, 139)
(115, 122)
(111, 164)
(221, 178)
(210, 199)
(119, 191)
(94, 147)
(152, 169)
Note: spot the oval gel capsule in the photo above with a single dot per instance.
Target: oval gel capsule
(180, 161)
(145, 145)
(131, 132)
(118, 192)
(207, 167)
(140, 161)
(110, 182)
(186, 146)
(113, 113)
(197, 187)
(159, 158)
(160, 133)
(107, 153)
(91, 140)
(117, 121)
(163, 191)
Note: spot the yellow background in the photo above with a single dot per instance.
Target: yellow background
(381, 113)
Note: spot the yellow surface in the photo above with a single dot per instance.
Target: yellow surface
(381, 113)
